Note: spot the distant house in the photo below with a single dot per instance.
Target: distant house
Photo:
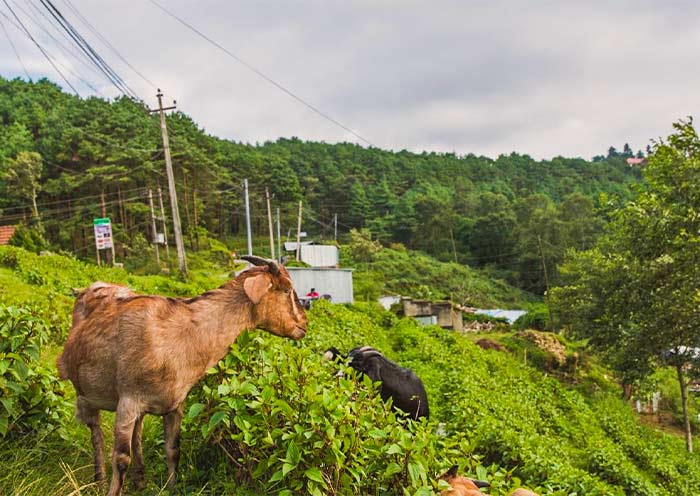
(6, 232)
(440, 313)
(635, 162)
(315, 255)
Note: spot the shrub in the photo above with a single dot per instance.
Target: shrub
(29, 238)
(31, 396)
(537, 317)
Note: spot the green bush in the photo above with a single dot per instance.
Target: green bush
(31, 396)
(29, 238)
(537, 317)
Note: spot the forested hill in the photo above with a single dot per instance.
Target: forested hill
(509, 213)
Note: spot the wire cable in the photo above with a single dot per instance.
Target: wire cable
(14, 49)
(41, 49)
(262, 75)
(106, 42)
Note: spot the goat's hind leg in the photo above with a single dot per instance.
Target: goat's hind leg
(171, 426)
(90, 416)
(138, 469)
(124, 422)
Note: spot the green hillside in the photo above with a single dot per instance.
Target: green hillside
(62, 158)
(273, 418)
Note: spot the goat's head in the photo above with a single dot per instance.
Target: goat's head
(461, 486)
(276, 305)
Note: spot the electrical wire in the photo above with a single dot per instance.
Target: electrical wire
(89, 51)
(14, 49)
(261, 74)
(58, 44)
(106, 42)
(41, 49)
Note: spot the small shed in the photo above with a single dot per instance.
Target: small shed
(441, 313)
(315, 255)
(328, 281)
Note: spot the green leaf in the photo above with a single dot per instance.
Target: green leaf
(314, 474)
(195, 410)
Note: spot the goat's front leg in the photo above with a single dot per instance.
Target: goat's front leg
(127, 415)
(138, 469)
(171, 426)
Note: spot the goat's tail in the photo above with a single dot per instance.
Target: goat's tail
(61, 366)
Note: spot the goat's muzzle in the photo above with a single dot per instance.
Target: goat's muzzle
(299, 332)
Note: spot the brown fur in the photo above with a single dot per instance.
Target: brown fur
(460, 486)
(463, 486)
(137, 354)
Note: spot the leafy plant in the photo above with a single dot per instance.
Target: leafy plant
(31, 396)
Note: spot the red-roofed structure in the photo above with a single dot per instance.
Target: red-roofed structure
(6, 233)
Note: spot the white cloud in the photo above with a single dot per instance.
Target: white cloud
(544, 78)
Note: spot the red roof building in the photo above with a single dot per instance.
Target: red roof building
(6, 233)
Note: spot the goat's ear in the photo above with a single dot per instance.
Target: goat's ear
(451, 473)
(255, 287)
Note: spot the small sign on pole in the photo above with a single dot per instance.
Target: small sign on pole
(103, 233)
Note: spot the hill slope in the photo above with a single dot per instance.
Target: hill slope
(273, 418)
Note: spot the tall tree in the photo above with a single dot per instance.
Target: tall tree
(638, 293)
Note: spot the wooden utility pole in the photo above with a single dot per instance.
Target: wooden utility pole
(335, 227)
(163, 223)
(279, 238)
(247, 218)
(171, 185)
(269, 222)
(454, 246)
(104, 206)
(153, 226)
(546, 283)
(299, 233)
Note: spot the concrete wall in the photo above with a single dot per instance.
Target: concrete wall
(335, 282)
(319, 255)
(414, 308)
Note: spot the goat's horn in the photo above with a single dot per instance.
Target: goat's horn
(274, 269)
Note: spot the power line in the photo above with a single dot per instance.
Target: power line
(58, 44)
(73, 53)
(41, 49)
(88, 50)
(261, 74)
(14, 49)
(106, 42)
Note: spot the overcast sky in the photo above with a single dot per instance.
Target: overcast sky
(545, 78)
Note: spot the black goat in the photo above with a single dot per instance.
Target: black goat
(400, 384)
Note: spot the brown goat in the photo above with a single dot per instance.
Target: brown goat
(138, 354)
(463, 486)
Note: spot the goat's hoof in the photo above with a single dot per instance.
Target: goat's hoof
(138, 483)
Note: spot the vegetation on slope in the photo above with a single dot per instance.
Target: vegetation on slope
(59, 154)
(273, 417)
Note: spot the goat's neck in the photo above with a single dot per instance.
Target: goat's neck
(220, 318)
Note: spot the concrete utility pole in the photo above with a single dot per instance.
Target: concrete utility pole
(279, 238)
(153, 226)
(335, 227)
(247, 218)
(269, 222)
(171, 185)
(163, 223)
(299, 233)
